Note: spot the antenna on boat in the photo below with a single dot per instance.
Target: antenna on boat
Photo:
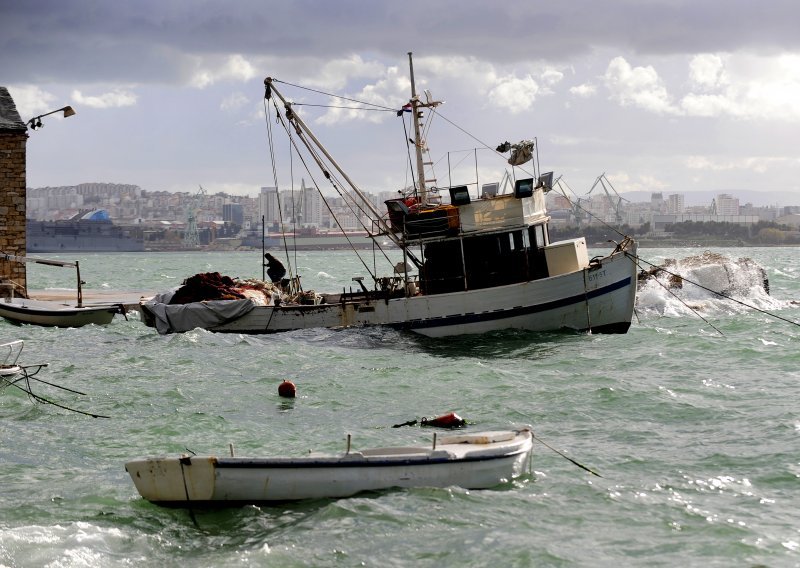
(417, 115)
(419, 143)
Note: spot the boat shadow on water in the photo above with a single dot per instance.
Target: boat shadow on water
(503, 344)
(276, 517)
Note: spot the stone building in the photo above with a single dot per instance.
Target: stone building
(13, 140)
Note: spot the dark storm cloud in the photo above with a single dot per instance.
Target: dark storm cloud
(149, 41)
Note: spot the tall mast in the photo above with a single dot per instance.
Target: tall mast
(423, 192)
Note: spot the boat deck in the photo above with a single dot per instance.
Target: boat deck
(129, 299)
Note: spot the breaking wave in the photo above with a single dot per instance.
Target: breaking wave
(708, 282)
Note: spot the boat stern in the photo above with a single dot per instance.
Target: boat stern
(166, 480)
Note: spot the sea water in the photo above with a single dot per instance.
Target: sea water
(691, 419)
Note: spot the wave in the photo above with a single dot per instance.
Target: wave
(708, 282)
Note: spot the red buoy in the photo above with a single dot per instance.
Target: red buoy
(287, 389)
(449, 420)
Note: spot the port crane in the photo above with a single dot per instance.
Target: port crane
(191, 238)
(614, 201)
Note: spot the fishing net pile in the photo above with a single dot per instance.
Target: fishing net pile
(215, 286)
(208, 286)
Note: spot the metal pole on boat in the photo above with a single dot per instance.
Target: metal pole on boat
(263, 251)
(80, 290)
(423, 192)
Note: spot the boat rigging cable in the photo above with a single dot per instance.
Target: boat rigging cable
(275, 180)
(350, 201)
(546, 445)
(300, 128)
(327, 174)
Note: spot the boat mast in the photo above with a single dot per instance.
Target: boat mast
(415, 105)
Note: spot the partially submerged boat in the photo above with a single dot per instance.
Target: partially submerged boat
(11, 370)
(14, 374)
(468, 263)
(20, 310)
(479, 460)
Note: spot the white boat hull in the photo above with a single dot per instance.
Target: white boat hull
(472, 461)
(599, 298)
(53, 314)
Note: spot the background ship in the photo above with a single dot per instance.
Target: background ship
(310, 239)
(86, 232)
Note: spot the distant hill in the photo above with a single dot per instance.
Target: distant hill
(757, 198)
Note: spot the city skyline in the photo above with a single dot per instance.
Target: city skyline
(672, 97)
(131, 204)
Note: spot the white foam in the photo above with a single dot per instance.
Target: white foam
(708, 283)
(76, 544)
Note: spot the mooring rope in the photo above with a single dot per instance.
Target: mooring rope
(44, 400)
(545, 444)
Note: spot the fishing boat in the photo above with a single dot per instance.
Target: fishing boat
(54, 314)
(459, 261)
(480, 460)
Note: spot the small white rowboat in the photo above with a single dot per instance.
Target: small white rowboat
(53, 314)
(470, 460)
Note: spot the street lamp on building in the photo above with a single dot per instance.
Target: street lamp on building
(36, 121)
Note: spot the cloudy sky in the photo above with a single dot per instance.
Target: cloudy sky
(677, 96)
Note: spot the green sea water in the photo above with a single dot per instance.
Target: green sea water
(694, 425)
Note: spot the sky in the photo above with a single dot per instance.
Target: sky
(671, 96)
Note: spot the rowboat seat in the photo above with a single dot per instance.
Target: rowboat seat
(483, 438)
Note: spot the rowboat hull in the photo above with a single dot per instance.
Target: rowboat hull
(473, 461)
(599, 298)
(52, 314)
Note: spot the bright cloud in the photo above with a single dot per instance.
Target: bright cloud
(745, 86)
(583, 91)
(637, 86)
(385, 92)
(707, 70)
(31, 100)
(114, 99)
(758, 164)
(499, 86)
(234, 101)
(552, 76)
(213, 70)
(335, 74)
(707, 105)
(516, 94)
(737, 85)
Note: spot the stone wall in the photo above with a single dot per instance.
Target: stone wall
(13, 140)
